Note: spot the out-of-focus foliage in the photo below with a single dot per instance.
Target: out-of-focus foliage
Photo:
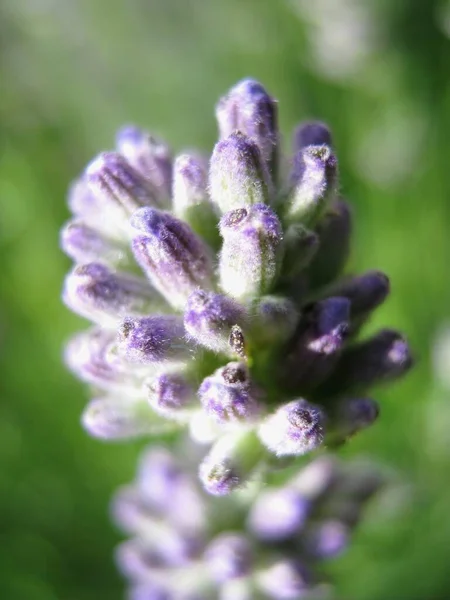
(71, 73)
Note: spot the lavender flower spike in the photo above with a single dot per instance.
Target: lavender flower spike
(209, 318)
(293, 429)
(229, 395)
(102, 296)
(155, 339)
(173, 257)
(237, 175)
(314, 185)
(251, 252)
(248, 108)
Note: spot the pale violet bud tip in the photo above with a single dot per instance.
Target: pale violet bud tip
(149, 156)
(312, 133)
(230, 462)
(278, 514)
(383, 357)
(209, 317)
(154, 339)
(249, 108)
(285, 580)
(173, 257)
(102, 296)
(85, 244)
(294, 429)
(90, 356)
(219, 478)
(115, 182)
(317, 343)
(229, 394)
(117, 419)
(237, 175)
(273, 318)
(228, 556)
(315, 479)
(170, 393)
(327, 539)
(314, 185)
(251, 252)
(334, 231)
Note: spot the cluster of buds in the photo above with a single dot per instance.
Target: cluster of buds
(216, 299)
(272, 545)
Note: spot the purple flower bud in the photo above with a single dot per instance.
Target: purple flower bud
(314, 185)
(237, 176)
(115, 182)
(365, 292)
(311, 133)
(149, 156)
(137, 562)
(230, 463)
(383, 357)
(175, 260)
(248, 108)
(170, 394)
(285, 579)
(154, 339)
(174, 546)
(111, 418)
(84, 244)
(229, 395)
(327, 539)
(301, 245)
(209, 317)
(353, 415)
(98, 211)
(294, 429)
(191, 201)
(278, 514)
(273, 319)
(251, 252)
(334, 231)
(148, 591)
(102, 296)
(228, 556)
(90, 355)
(316, 345)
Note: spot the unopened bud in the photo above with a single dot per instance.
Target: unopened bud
(237, 176)
(248, 108)
(171, 394)
(334, 231)
(314, 185)
(191, 201)
(209, 318)
(311, 133)
(273, 319)
(86, 244)
(102, 296)
(251, 252)
(173, 257)
(154, 339)
(301, 245)
(293, 429)
(229, 395)
(228, 557)
(150, 157)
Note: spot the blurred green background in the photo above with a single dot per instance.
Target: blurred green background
(71, 72)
